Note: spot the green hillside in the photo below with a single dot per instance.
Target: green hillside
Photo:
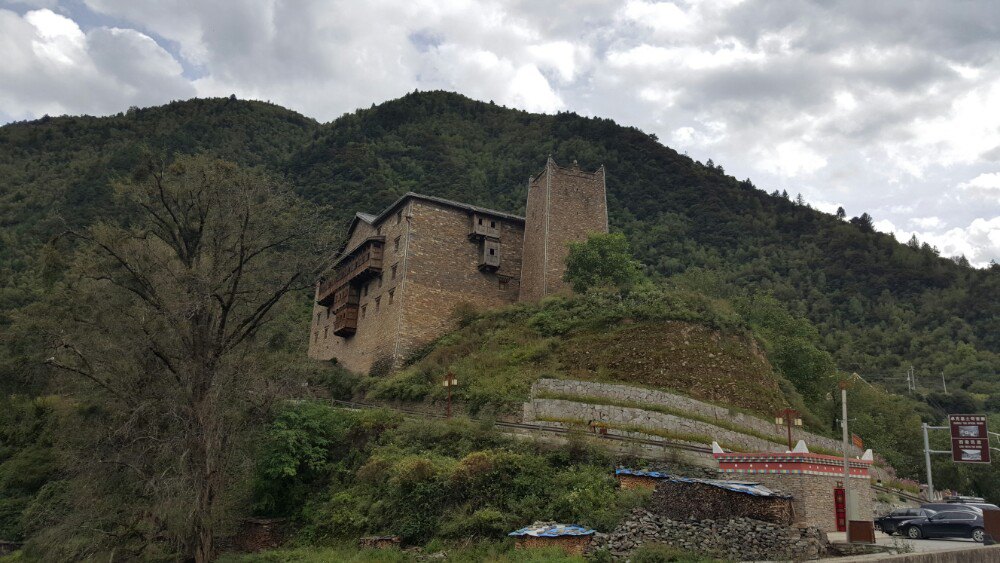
(880, 305)
(751, 300)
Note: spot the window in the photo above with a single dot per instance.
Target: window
(493, 224)
(504, 282)
(378, 303)
(391, 293)
(480, 220)
(316, 336)
(395, 244)
(365, 290)
(319, 317)
(493, 252)
(393, 275)
(380, 282)
(324, 332)
(399, 216)
(328, 312)
(364, 311)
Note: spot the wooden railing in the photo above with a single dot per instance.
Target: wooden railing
(363, 262)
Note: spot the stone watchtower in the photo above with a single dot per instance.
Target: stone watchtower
(564, 205)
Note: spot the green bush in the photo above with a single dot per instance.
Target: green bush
(354, 473)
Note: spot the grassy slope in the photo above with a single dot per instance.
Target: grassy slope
(498, 355)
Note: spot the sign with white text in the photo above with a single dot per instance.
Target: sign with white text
(970, 442)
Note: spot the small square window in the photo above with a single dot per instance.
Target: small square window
(328, 312)
(364, 311)
(493, 224)
(378, 303)
(392, 276)
(480, 220)
(396, 244)
(324, 332)
(493, 251)
(391, 293)
(504, 282)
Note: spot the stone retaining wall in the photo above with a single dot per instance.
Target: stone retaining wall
(740, 539)
(627, 393)
(650, 420)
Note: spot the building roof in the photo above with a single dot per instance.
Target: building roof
(745, 487)
(551, 530)
(446, 202)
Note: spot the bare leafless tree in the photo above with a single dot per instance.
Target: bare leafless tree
(162, 312)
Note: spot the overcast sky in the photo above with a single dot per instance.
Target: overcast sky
(885, 107)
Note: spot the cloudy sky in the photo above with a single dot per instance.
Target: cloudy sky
(885, 107)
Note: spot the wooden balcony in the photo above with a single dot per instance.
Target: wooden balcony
(364, 262)
(345, 322)
(347, 295)
(489, 255)
(484, 226)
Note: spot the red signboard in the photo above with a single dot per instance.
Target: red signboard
(840, 509)
(970, 442)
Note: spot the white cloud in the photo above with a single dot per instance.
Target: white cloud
(986, 182)
(791, 159)
(927, 222)
(52, 66)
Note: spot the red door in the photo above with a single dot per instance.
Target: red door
(841, 506)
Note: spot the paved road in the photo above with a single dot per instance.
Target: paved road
(923, 545)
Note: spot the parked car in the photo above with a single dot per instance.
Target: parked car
(979, 505)
(946, 524)
(942, 506)
(890, 522)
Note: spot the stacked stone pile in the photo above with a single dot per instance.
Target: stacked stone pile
(701, 501)
(741, 539)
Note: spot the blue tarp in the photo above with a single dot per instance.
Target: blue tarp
(552, 531)
(755, 489)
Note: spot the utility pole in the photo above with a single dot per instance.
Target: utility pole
(927, 459)
(847, 459)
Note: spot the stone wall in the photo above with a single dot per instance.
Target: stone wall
(700, 501)
(443, 271)
(627, 393)
(813, 496)
(374, 343)
(564, 205)
(740, 539)
(430, 265)
(642, 419)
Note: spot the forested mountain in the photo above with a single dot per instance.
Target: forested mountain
(880, 305)
(106, 460)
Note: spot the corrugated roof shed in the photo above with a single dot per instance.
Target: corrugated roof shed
(755, 489)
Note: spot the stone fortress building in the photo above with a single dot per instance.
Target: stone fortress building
(395, 283)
